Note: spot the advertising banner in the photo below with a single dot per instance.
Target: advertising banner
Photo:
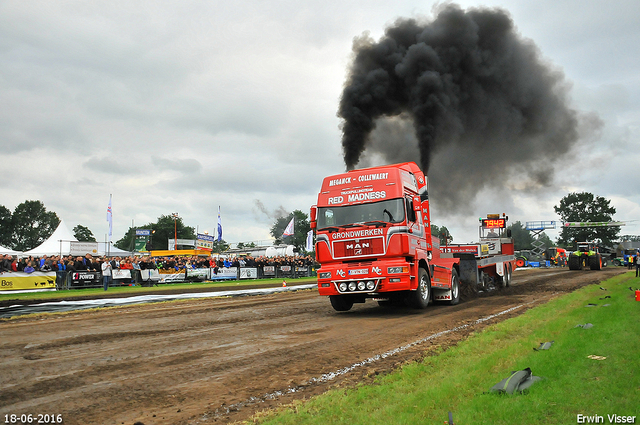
(204, 242)
(248, 273)
(269, 270)
(120, 274)
(225, 273)
(85, 278)
(494, 247)
(140, 244)
(146, 275)
(181, 242)
(466, 249)
(83, 248)
(201, 274)
(27, 281)
(285, 271)
(170, 276)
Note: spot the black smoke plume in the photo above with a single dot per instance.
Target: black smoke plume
(464, 96)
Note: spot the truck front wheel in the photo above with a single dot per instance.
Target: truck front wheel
(420, 297)
(341, 302)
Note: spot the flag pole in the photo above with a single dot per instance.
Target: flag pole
(110, 221)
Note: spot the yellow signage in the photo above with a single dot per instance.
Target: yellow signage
(23, 281)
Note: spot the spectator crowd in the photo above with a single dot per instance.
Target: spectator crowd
(9, 263)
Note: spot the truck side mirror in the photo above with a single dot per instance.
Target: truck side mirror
(313, 214)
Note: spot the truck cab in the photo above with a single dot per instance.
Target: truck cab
(373, 239)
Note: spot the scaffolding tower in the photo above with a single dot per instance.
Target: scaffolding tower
(536, 228)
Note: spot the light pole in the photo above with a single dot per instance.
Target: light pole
(175, 230)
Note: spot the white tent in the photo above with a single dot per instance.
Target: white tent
(57, 244)
(4, 251)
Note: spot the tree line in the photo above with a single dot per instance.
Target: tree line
(30, 224)
(27, 226)
(575, 207)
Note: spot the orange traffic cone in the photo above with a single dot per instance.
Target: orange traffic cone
(284, 283)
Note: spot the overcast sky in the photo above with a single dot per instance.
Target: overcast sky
(187, 106)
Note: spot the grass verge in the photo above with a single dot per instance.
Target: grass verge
(135, 290)
(459, 378)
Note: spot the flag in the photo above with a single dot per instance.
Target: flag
(309, 246)
(289, 230)
(219, 225)
(110, 219)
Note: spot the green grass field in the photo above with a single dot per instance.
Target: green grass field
(459, 378)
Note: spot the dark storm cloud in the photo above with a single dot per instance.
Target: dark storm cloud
(475, 98)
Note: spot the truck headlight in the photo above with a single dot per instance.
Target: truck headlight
(361, 285)
(325, 275)
(370, 285)
(395, 270)
(352, 286)
(342, 287)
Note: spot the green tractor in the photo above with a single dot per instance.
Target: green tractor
(587, 255)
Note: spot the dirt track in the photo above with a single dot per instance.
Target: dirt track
(221, 360)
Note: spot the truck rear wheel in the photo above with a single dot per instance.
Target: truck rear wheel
(341, 302)
(455, 288)
(420, 297)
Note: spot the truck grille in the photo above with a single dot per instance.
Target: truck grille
(357, 248)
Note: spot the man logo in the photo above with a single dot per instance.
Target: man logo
(358, 245)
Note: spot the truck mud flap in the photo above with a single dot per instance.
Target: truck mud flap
(468, 273)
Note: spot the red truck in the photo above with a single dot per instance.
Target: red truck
(373, 240)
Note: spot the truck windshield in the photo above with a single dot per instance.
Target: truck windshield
(390, 211)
